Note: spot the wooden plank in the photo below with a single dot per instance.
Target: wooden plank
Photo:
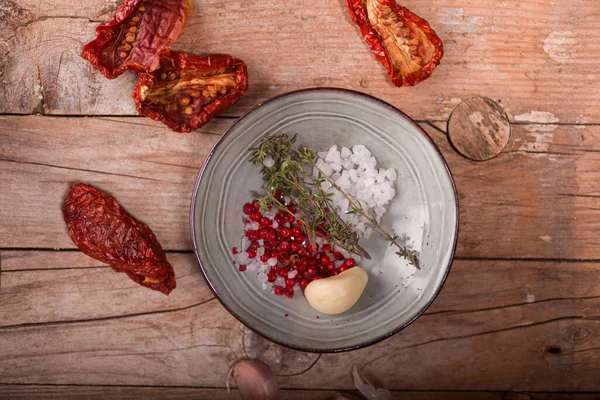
(49, 286)
(526, 326)
(73, 290)
(125, 393)
(149, 170)
(536, 200)
(525, 53)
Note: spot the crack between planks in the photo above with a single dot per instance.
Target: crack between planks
(78, 321)
(460, 337)
(289, 389)
(457, 312)
(82, 170)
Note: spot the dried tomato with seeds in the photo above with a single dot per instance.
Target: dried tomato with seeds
(402, 41)
(140, 32)
(103, 230)
(188, 91)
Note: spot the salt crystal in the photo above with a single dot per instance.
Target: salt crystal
(245, 243)
(345, 152)
(268, 162)
(261, 242)
(260, 251)
(353, 175)
(271, 262)
(333, 155)
(369, 181)
(243, 258)
(368, 233)
(335, 166)
(292, 274)
(335, 176)
(262, 277)
(391, 174)
(254, 225)
(361, 150)
(275, 224)
(322, 154)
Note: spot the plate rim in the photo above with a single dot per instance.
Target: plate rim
(351, 93)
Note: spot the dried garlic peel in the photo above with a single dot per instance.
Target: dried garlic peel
(337, 294)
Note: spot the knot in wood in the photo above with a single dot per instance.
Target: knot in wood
(479, 129)
(578, 333)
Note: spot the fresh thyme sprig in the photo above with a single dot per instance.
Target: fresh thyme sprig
(287, 169)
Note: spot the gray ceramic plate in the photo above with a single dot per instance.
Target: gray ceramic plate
(425, 209)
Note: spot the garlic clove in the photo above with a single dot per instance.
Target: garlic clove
(255, 380)
(337, 294)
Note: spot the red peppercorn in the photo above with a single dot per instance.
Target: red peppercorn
(290, 218)
(302, 267)
(350, 262)
(331, 266)
(312, 270)
(278, 195)
(289, 293)
(283, 272)
(327, 248)
(333, 273)
(286, 232)
(338, 256)
(278, 290)
(294, 247)
(325, 260)
(299, 238)
(289, 282)
(301, 251)
(271, 236)
(296, 230)
(255, 204)
(342, 268)
(248, 209)
(251, 252)
(284, 246)
(256, 216)
(234, 250)
(304, 283)
(264, 221)
(242, 268)
(252, 235)
(254, 245)
(272, 276)
(316, 277)
(274, 269)
(265, 257)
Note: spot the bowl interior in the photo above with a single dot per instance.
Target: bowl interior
(424, 209)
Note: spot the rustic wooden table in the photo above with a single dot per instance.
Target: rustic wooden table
(520, 311)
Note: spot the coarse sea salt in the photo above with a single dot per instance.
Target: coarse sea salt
(356, 173)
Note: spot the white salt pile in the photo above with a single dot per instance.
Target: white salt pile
(355, 172)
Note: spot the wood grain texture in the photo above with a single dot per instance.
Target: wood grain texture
(479, 129)
(538, 199)
(497, 325)
(526, 54)
(126, 393)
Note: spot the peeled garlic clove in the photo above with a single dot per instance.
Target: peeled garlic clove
(255, 381)
(336, 294)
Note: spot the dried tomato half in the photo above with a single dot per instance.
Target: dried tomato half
(403, 42)
(103, 230)
(137, 36)
(188, 91)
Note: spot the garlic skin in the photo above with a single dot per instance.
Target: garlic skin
(255, 380)
(337, 294)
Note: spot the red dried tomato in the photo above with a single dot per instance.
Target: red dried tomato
(103, 230)
(403, 42)
(188, 91)
(137, 36)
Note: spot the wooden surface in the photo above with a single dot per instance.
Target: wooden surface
(519, 317)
